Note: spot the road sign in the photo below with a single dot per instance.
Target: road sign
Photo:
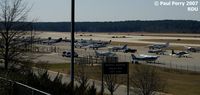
(115, 68)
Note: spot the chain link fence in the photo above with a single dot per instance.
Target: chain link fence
(172, 64)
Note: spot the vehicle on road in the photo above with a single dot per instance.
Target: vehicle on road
(68, 54)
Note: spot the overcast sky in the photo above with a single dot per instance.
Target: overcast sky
(108, 10)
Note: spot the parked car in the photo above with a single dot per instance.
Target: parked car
(68, 54)
(130, 50)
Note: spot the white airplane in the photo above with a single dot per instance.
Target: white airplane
(159, 46)
(142, 57)
(104, 54)
(119, 48)
(157, 51)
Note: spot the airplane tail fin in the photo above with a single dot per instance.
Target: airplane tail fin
(59, 40)
(173, 52)
(110, 41)
(167, 44)
(124, 47)
(133, 56)
(96, 52)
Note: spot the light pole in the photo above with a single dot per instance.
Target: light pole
(72, 42)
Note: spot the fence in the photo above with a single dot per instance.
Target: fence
(90, 60)
(183, 65)
(47, 49)
(180, 66)
(8, 87)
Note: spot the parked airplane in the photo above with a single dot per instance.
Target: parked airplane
(97, 46)
(91, 44)
(146, 58)
(119, 48)
(159, 46)
(193, 49)
(157, 51)
(52, 41)
(180, 54)
(68, 54)
(129, 50)
(80, 45)
(104, 54)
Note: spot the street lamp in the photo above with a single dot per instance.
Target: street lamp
(72, 41)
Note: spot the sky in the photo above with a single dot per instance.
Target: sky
(108, 10)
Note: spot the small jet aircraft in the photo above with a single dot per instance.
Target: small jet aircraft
(157, 51)
(159, 46)
(82, 43)
(193, 49)
(52, 41)
(104, 54)
(90, 44)
(146, 58)
(180, 54)
(97, 46)
(131, 50)
(119, 48)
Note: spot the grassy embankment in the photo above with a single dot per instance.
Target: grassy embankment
(179, 82)
(181, 41)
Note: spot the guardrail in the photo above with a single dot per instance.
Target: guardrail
(9, 87)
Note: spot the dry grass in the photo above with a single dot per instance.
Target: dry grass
(145, 45)
(129, 43)
(184, 41)
(158, 34)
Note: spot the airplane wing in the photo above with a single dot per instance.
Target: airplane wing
(143, 55)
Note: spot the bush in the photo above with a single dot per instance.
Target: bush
(147, 81)
(56, 87)
(40, 79)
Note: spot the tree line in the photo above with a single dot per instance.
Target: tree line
(160, 26)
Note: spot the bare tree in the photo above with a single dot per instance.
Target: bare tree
(82, 77)
(13, 30)
(147, 81)
(111, 83)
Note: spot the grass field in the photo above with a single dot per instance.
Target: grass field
(129, 43)
(178, 82)
(182, 41)
(144, 44)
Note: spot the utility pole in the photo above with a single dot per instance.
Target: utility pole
(72, 42)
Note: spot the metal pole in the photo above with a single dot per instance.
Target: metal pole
(72, 42)
(128, 86)
(102, 76)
